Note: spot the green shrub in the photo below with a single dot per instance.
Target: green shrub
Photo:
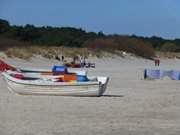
(169, 47)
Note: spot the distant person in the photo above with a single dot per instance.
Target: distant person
(79, 58)
(74, 59)
(84, 60)
(62, 58)
(81, 62)
(157, 62)
(57, 58)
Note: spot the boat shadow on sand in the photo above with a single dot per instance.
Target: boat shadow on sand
(109, 95)
(105, 96)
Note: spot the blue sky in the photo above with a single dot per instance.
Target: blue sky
(140, 17)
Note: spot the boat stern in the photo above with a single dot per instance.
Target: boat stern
(103, 84)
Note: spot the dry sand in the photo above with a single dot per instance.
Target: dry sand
(131, 105)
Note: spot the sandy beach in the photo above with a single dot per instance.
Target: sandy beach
(130, 106)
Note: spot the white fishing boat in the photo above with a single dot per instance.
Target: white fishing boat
(39, 86)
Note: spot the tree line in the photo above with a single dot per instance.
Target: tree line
(77, 37)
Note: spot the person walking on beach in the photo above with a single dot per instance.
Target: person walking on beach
(62, 58)
(157, 61)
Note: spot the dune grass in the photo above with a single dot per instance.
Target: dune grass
(49, 52)
(97, 48)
